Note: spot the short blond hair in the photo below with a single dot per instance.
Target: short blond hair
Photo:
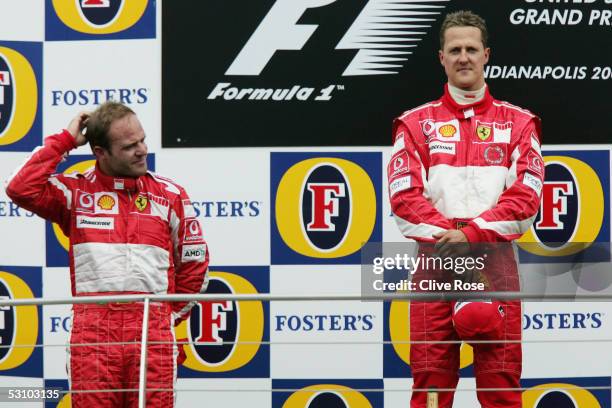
(464, 18)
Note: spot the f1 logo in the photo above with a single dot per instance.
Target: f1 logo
(4, 81)
(213, 318)
(277, 31)
(554, 204)
(324, 205)
(369, 34)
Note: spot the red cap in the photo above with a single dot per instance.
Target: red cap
(479, 319)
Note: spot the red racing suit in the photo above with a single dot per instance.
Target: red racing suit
(127, 235)
(477, 168)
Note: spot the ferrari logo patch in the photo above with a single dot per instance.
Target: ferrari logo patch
(483, 132)
(141, 202)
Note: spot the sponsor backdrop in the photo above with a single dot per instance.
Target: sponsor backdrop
(286, 220)
(335, 71)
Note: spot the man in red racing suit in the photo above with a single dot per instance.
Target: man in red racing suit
(131, 231)
(466, 168)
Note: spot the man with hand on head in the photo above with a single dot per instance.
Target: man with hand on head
(131, 232)
(466, 169)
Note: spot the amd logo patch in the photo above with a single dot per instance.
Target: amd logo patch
(194, 253)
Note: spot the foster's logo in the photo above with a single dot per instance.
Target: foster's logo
(326, 207)
(566, 392)
(337, 393)
(20, 326)
(225, 336)
(574, 211)
(89, 19)
(326, 194)
(20, 73)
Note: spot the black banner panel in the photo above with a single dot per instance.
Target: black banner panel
(336, 72)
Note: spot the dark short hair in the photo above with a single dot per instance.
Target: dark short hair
(100, 121)
(464, 18)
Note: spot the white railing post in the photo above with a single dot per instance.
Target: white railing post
(142, 385)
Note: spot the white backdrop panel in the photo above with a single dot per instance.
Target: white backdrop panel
(230, 189)
(326, 321)
(77, 74)
(22, 235)
(22, 20)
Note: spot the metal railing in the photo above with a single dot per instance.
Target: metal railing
(409, 296)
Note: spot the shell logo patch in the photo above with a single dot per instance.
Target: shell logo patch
(448, 130)
(106, 202)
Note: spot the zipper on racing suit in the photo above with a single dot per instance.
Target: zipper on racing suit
(468, 115)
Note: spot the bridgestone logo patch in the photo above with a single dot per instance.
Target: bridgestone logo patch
(441, 147)
(104, 223)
